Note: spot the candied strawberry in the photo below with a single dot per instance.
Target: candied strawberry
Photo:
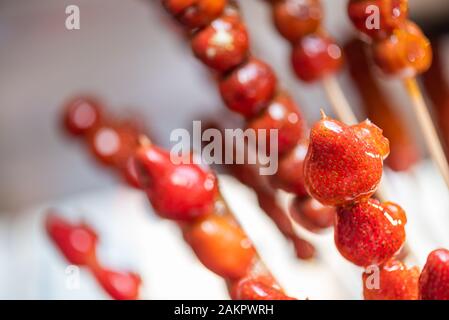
(295, 19)
(395, 282)
(77, 242)
(222, 45)
(392, 15)
(405, 53)
(249, 88)
(195, 13)
(315, 56)
(282, 115)
(369, 232)
(81, 115)
(257, 288)
(344, 163)
(183, 191)
(221, 245)
(119, 285)
(290, 174)
(434, 279)
(311, 214)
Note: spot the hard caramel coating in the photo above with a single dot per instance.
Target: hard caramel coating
(311, 214)
(113, 142)
(392, 14)
(119, 285)
(369, 232)
(290, 174)
(282, 114)
(316, 56)
(182, 192)
(260, 287)
(81, 115)
(406, 53)
(396, 282)
(77, 242)
(195, 13)
(295, 19)
(249, 88)
(434, 279)
(221, 245)
(222, 45)
(344, 163)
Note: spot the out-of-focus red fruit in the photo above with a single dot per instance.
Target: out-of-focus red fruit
(311, 214)
(315, 56)
(257, 288)
(119, 285)
(113, 143)
(344, 163)
(249, 88)
(295, 19)
(290, 174)
(378, 18)
(406, 53)
(304, 249)
(221, 245)
(129, 172)
(182, 191)
(434, 279)
(77, 242)
(267, 200)
(369, 232)
(195, 13)
(283, 115)
(222, 45)
(395, 282)
(81, 115)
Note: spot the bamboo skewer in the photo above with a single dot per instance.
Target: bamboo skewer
(427, 127)
(338, 101)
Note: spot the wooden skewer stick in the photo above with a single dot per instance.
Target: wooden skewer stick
(342, 109)
(428, 128)
(339, 103)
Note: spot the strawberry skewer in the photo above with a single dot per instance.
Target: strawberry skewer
(400, 49)
(78, 244)
(248, 86)
(187, 194)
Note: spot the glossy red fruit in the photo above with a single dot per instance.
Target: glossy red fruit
(113, 143)
(295, 19)
(344, 163)
(391, 15)
(369, 232)
(77, 242)
(290, 174)
(119, 285)
(221, 245)
(222, 45)
(282, 115)
(315, 56)
(195, 13)
(257, 288)
(249, 88)
(182, 191)
(81, 115)
(395, 282)
(434, 279)
(130, 174)
(311, 214)
(405, 53)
